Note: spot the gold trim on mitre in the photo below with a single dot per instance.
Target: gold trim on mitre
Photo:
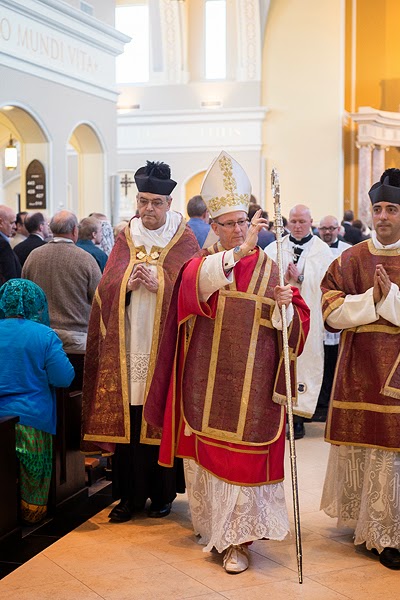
(226, 187)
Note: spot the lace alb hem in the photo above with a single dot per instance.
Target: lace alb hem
(138, 366)
(362, 489)
(224, 514)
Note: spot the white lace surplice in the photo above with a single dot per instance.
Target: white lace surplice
(139, 315)
(362, 489)
(225, 514)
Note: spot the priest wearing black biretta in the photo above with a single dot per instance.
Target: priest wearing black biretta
(133, 306)
(361, 298)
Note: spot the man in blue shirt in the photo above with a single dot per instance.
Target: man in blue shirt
(199, 218)
(90, 232)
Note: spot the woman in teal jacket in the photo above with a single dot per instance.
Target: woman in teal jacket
(32, 363)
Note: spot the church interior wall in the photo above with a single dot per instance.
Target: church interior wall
(303, 90)
(372, 77)
(45, 100)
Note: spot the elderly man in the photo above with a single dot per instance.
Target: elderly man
(361, 297)
(10, 266)
(224, 406)
(38, 229)
(89, 237)
(305, 260)
(69, 277)
(328, 230)
(199, 218)
(133, 308)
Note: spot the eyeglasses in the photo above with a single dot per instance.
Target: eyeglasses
(155, 203)
(232, 224)
(327, 228)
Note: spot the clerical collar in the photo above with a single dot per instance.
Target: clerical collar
(301, 242)
(335, 244)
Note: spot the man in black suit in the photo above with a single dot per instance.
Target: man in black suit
(38, 230)
(9, 264)
(352, 235)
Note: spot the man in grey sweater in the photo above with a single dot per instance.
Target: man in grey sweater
(69, 277)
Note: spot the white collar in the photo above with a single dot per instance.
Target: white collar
(380, 246)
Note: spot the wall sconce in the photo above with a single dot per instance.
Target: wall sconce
(11, 155)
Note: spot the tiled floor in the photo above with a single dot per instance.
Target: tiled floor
(151, 559)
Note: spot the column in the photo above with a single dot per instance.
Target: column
(364, 181)
(378, 162)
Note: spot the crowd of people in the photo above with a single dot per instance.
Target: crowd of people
(164, 332)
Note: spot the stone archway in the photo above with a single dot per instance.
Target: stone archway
(86, 172)
(192, 187)
(32, 142)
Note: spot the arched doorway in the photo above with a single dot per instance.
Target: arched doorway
(86, 172)
(32, 143)
(192, 187)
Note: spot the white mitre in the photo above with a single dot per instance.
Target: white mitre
(225, 187)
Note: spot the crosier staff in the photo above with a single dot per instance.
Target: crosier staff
(293, 465)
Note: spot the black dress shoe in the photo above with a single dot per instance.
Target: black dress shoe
(390, 558)
(299, 431)
(121, 513)
(157, 513)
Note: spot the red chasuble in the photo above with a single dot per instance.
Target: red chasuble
(365, 401)
(228, 370)
(105, 389)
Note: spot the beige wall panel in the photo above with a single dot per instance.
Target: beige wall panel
(303, 90)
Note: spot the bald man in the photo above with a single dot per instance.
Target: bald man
(328, 232)
(305, 261)
(10, 266)
(69, 277)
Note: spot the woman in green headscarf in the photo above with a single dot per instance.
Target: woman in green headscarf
(32, 361)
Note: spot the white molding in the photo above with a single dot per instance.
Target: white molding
(191, 131)
(56, 42)
(72, 21)
(377, 127)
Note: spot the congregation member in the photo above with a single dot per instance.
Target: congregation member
(265, 236)
(328, 231)
(21, 233)
(10, 267)
(305, 260)
(107, 239)
(32, 363)
(198, 218)
(38, 230)
(69, 277)
(361, 298)
(228, 392)
(352, 235)
(89, 237)
(132, 305)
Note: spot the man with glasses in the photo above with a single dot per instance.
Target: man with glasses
(306, 259)
(10, 266)
(328, 230)
(224, 412)
(21, 232)
(38, 229)
(134, 306)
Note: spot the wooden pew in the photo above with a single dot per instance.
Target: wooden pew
(10, 528)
